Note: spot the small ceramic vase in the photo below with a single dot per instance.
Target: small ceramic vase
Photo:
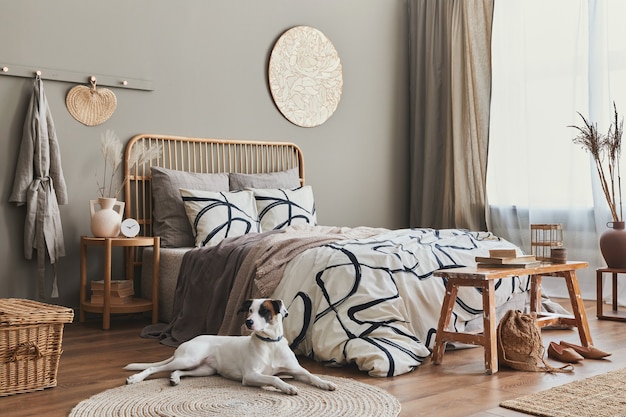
(106, 221)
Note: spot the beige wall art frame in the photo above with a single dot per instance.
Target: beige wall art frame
(305, 76)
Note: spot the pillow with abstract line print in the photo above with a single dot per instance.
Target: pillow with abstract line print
(281, 179)
(215, 216)
(169, 218)
(280, 208)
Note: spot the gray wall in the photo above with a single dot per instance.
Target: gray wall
(207, 61)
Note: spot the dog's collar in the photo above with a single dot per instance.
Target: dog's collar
(269, 339)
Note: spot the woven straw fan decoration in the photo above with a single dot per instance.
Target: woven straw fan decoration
(90, 105)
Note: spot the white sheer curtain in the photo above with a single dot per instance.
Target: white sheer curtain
(550, 60)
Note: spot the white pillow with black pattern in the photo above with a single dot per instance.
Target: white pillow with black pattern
(215, 216)
(279, 208)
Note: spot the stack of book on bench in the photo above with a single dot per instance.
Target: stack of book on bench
(506, 258)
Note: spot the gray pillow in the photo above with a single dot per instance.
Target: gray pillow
(169, 219)
(282, 179)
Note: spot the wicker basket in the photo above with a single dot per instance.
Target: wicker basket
(30, 344)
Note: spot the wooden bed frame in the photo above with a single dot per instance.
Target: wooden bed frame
(202, 155)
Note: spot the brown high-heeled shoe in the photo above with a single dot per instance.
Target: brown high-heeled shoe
(563, 354)
(589, 352)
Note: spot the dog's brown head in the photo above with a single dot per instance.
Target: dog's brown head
(263, 312)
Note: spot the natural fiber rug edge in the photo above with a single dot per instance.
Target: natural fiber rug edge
(217, 396)
(597, 396)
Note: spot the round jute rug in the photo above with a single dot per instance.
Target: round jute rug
(216, 396)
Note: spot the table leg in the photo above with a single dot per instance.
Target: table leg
(444, 320)
(614, 286)
(490, 322)
(578, 307)
(129, 257)
(106, 310)
(83, 279)
(599, 301)
(155, 279)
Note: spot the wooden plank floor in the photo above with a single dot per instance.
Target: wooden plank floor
(92, 362)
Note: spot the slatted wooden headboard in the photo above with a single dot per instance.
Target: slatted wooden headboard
(204, 156)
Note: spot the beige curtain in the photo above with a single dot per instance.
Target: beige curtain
(450, 89)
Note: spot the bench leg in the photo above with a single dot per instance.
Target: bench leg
(535, 294)
(490, 328)
(444, 320)
(578, 307)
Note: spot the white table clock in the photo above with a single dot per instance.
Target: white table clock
(130, 227)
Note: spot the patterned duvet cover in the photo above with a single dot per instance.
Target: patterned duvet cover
(375, 302)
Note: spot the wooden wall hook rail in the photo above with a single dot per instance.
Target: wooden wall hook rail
(76, 77)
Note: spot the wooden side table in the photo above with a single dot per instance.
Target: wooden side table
(136, 305)
(599, 303)
(485, 279)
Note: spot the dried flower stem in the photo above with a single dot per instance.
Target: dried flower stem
(139, 155)
(112, 150)
(601, 146)
(615, 135)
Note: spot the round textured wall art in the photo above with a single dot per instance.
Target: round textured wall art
(305, 76)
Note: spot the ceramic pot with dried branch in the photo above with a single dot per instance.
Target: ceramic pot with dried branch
(106, 211)
(606, 152)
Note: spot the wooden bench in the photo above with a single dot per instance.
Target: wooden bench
(485, 278)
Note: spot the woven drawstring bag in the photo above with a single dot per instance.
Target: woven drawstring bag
(520, 346)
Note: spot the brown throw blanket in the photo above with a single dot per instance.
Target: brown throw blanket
(263, 268)
(204, 281)
(213, 282)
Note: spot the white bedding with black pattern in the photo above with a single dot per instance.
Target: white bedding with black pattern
(375, 301)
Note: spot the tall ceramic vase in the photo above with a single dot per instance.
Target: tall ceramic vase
(613, 245)
(106, 221)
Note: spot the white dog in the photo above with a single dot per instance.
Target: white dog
(254, 360)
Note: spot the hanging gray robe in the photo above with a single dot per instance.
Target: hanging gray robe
(39, 183)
